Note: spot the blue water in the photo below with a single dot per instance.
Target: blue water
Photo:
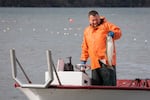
(32, 31)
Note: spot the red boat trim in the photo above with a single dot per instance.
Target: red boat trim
(93, 87)
(100, 87)
(136, 84)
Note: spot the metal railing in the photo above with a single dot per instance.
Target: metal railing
(51, 68)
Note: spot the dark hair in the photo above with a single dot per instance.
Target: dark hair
(93, 13)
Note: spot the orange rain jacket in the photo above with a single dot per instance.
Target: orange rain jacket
(94, 43)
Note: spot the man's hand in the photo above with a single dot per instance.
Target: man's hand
(83, 62)
(110, 33)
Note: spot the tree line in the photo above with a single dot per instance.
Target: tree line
(75, 3)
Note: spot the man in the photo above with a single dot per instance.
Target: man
(94, 47)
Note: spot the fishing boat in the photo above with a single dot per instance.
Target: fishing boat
(75, 85)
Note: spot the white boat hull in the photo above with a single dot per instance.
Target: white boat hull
(85, 94)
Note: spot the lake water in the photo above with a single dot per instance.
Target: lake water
(32, 31)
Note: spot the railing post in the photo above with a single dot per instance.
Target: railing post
(49, 63)
(51, 67)
(13, 63)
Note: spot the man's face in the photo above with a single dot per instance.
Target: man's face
(94, 20)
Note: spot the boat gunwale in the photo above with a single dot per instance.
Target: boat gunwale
(98, 87)
(89, 87)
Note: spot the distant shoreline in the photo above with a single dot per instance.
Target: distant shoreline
(74, 3)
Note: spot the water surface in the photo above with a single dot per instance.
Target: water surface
(32, 31)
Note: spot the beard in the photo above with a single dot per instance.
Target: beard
(94, 25)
